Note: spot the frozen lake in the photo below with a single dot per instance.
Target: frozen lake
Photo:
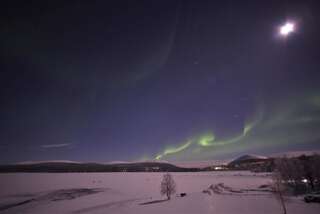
(207, 192)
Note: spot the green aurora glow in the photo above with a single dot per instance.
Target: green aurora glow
(279, 126)
(173, 150)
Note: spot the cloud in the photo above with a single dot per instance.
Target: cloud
(51, 146)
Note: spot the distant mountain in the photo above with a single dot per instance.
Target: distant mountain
(248, 158)
(245, 162)
(59, 166)
(49, 161)
(201, 164)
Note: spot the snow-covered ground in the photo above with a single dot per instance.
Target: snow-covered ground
(207, 192)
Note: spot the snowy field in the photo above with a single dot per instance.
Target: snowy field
(207, 192)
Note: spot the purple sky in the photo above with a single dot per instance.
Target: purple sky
(132, 80)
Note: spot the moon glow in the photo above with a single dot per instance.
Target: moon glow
(287, 29)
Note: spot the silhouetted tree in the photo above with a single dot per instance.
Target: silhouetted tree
(278, 190)
(168, 186)
(315, 166)
(291, 172)
(300, 174)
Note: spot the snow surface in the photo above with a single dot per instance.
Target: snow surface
(232, 192)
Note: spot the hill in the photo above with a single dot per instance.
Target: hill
(93, 167)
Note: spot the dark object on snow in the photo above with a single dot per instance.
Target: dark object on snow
(183, 194)
(314, 197)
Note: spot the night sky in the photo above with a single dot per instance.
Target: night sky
(168, 80)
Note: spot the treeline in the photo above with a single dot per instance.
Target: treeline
(94, 167)
(299, 174)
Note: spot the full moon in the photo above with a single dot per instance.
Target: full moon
(287, 28)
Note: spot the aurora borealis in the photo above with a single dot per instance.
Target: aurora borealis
(168, 80)
(278, 127)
